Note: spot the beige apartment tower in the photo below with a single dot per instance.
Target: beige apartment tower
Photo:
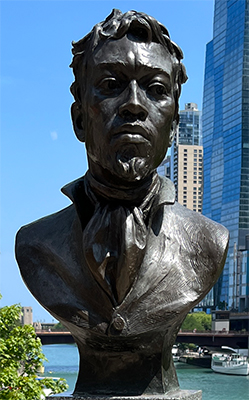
(188, 175)
(187, 157)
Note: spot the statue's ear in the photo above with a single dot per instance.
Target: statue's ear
(77, 120)
(173, 131)
(175, 122)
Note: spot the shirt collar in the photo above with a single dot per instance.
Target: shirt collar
(167, 191)
(75, 190)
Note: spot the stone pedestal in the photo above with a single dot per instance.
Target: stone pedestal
(176, 395)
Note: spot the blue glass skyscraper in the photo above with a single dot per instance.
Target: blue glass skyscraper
(226, 128)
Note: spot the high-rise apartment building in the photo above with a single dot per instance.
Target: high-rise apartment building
(190, 132)
(239, 278)
(186, 159)
(226, 130)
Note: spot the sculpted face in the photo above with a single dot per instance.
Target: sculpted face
(128, 108)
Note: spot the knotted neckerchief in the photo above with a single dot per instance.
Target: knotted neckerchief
(114, 239)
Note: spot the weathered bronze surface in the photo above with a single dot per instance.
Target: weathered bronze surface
(123, 265)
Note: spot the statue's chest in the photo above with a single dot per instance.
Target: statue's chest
(157, 301)
(164, 287)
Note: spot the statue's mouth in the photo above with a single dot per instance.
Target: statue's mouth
(131, 133)
(130, 138)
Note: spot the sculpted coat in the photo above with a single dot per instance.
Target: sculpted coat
(185, 254)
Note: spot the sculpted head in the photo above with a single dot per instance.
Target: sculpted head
(128, 76)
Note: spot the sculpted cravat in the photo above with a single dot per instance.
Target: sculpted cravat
(114, 240)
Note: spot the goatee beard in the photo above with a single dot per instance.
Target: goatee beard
(134, 169)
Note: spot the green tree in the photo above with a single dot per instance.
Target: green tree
(199, 321)
(20, 357)
(222, 305)
(59, 328)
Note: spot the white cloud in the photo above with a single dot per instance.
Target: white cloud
(54, 135)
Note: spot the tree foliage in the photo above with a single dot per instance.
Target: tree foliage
(222, 305)
(20, 357)
(199, 321)
(59, 327)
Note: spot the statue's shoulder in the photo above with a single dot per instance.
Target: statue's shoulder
(207, 238)
(59, 223)
(42, 246)
(38, 243)
(201, 224)
(189, 226)
(45, 228)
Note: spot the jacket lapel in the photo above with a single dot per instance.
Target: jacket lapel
(154, 267)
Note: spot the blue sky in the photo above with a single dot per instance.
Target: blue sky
(39, 152)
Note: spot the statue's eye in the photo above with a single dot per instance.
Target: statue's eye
(157, 89)
(109, 85)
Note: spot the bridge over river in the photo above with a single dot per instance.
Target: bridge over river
(214, 339)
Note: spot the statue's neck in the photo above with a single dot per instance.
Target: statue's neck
(134, 194)
(112, 187)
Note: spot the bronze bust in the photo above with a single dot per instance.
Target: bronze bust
(122, 265)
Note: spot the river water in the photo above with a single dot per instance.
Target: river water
(63, 362)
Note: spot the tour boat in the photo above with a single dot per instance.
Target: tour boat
(231, 364)
(175, 353)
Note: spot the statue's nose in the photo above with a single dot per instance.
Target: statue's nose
(134, 107)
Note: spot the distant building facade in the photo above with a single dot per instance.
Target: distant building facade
(187, 157)
(37, 325)
(225, 124)
(27, 316)
(164, 167)
(238, 295)
(190, 129)
(220, 321)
